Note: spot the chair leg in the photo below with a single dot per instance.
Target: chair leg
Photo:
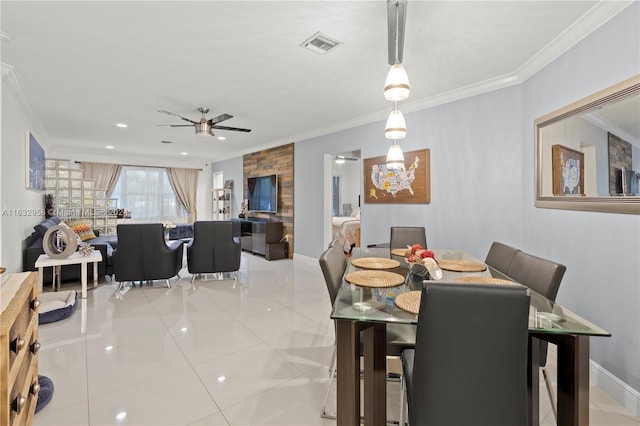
(235, 275)
(332, 373)
(552, 396)
(168, 284)
(402, 402)
(193, 278)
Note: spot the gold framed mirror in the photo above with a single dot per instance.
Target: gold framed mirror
(587, 154)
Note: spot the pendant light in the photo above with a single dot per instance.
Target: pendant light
(395, 158)
(396, 87)
(396, 127)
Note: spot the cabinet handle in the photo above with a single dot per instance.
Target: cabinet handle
(35, 347)
(17, 344)
(35, 388)
(18, 404)
(35, 303)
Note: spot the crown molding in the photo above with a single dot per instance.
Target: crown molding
(14, 84)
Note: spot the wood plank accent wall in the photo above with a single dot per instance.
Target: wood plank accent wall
(279, 161)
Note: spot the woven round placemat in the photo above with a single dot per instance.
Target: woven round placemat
(483, 280)
(409, 301)
(374, 278)
(399, 251)
(375, 263)
(459, 265)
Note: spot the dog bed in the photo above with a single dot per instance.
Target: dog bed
(56, 306)
(46, 392)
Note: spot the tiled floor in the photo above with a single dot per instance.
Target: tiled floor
(248, 352)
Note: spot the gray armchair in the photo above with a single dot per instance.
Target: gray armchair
(143, 254)
(213, 249)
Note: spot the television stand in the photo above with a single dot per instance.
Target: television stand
(260, 236)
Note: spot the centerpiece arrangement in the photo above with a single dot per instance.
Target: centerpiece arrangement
(416, 254)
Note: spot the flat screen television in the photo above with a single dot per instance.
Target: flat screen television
(262, 193)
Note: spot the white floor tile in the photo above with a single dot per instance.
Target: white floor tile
(177, 398)
(236, 377)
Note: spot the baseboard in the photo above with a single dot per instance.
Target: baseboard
(304, 258)
(627, 396)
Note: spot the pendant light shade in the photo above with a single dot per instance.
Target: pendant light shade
(396, 127)
(396, 87)
(395, 158)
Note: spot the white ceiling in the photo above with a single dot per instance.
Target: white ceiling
(82, 67)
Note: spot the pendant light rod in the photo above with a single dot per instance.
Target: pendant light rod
(396, 16)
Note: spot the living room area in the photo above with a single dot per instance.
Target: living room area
(232, 95)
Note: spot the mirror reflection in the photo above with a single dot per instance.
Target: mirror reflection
(588, 153)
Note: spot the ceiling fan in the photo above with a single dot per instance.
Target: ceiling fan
(204, 127)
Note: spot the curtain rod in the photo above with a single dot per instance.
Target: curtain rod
(131, 165)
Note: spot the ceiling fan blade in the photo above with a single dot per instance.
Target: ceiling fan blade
(235, 129)
(174, 125)
(179, 116)
(219, 118)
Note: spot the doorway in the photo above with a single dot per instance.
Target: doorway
(343, 175)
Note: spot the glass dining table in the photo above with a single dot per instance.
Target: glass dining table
(361, 312)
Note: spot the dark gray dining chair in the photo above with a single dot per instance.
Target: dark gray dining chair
(544, 277)
(469, 366)
(403, 236)
(500, 256)
(333, 264)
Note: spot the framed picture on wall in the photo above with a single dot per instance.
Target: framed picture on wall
(35, 163)
(568, 171)
(411, 185)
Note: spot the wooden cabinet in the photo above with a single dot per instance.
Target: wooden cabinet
(260, 237)
(19, 348)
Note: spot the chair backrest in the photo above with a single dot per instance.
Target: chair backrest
(500, 256)
(214, 249)
(403, 236)
(333, 264)
(541, 275)
(142, 253)
(470, 365)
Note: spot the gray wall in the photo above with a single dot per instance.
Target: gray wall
(601, 250)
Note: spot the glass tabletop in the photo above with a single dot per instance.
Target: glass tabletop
(360, 303)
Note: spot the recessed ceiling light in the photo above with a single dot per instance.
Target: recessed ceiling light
(109, 146)
(184, 153)
(121, 415)
(122, 125)
(221, 138)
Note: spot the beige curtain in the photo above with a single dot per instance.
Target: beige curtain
(105, 175)
(185, 183)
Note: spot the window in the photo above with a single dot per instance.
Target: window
(147, 193)
(335, 205)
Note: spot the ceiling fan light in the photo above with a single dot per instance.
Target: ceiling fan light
(203, 129)
(396, 127)
(395, 157)
(396, 87)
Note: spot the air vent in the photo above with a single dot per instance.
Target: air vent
(320, 43)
